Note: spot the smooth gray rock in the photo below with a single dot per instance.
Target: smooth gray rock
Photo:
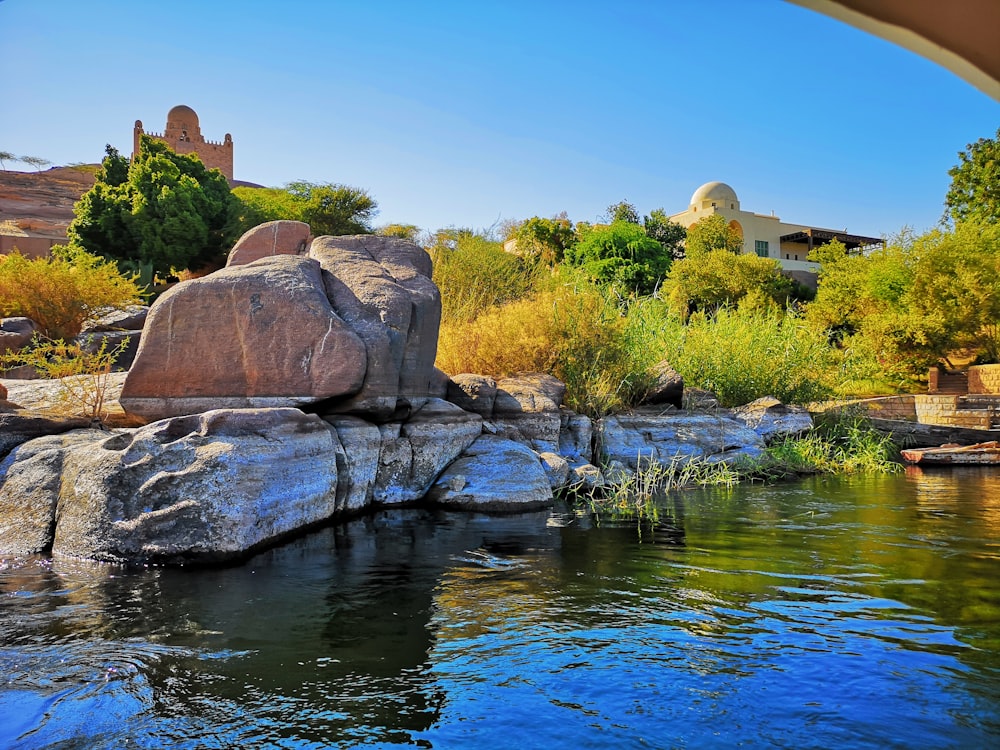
(416, 451)
(206, 487)
(773, 420)
(475, 393)
(493, 474)
(358, 446)
(30, 479)
(15, 333)
(19, 427)
(556, 468)
(637, 439)
(526, 409)
(131, 318)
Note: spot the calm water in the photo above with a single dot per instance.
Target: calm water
(831, 614)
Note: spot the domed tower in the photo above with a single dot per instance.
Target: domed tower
(715, 195)
(182, 125)
(183, 135)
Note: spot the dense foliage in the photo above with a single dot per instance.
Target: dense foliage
(161, 211)
(328, 208)
(974, 194)
(62, 292)
(621, 254)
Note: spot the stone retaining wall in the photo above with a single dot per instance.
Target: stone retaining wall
(943, 410)
(984, 379)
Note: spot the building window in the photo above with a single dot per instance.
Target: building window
(761, 247)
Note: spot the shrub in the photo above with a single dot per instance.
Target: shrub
(62, 292)
(570, 331)
(475, 274)
(742, 354)
(83, 374)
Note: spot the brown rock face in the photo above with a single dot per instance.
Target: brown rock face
(256, 335)
(272, 238)
(382, 288)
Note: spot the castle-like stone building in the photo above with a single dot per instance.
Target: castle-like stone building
(183, 135)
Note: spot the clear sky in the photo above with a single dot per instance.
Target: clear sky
(462, 113)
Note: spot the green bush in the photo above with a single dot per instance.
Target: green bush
(740, 354)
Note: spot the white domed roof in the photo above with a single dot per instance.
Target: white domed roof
(718, 192)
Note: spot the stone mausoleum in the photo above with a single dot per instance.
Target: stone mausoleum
(183, 135)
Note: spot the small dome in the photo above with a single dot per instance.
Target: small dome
(183, 114)
(719, 192)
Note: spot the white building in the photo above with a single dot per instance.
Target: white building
(765, 235)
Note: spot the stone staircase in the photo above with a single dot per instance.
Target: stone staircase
(952, 382)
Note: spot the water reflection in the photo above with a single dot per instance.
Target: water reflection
(861, 612)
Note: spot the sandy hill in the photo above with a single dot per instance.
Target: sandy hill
(40, 204)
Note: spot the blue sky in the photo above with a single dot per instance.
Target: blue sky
(463, 113)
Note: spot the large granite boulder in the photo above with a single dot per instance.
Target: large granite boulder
(773, 420)
(256, 335)
(271, 238)
(122, 344)
(382, 288)
(494, 474)
(634, 440)
(198, 488)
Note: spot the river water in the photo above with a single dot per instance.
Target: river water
(826, 613)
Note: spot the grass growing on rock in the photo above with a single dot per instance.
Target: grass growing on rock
(843, 443)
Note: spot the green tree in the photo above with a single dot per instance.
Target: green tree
(328, 209)
(6, 156)
(621, 254)
(335, 209)
(623, 211)
(712, 233)
(974, 194)
(403, 231)
(545, 239)
(720, 278)
(669, 234)
(171, 213)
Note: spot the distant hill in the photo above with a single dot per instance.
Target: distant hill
(40, 204)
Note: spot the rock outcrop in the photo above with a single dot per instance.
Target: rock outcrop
(632, 441)
(202, 487)
(271, 238)
(493, 473)
(773, 420)
(381, 287)
(257, 335)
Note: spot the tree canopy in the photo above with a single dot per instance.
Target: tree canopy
(712, 233)
(163, 211)
(974, 194)
(328, 208)
(621, 254)
(721, 278)
(545, 239)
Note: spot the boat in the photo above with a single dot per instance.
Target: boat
(951, 453)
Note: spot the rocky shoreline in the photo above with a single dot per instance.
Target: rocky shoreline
(297, 386)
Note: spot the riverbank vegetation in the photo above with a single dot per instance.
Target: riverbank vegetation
(842, 442)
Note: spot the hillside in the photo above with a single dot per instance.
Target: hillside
(41, 203)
